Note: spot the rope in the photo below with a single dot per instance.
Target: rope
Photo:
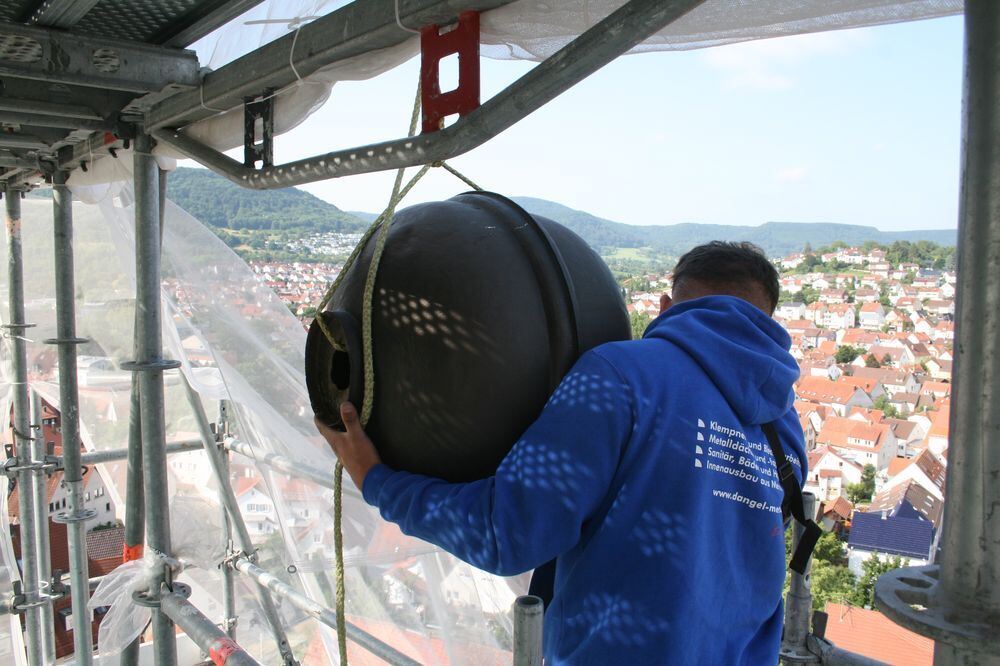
(382, 224)
(338, 544)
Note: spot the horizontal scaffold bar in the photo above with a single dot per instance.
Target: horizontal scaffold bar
(83, 60)
(111, 455)
(320, 612)
(318, 475)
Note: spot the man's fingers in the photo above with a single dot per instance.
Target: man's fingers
(349, 415)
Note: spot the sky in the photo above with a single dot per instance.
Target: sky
(856, 126)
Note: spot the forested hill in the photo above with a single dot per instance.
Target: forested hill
(776, 238)
(220, 203)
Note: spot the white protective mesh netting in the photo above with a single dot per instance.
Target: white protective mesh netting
(238, 342)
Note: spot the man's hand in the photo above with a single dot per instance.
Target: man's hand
(356, 452)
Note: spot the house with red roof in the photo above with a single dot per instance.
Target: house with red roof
(837, 396)
(834, 515)
(830, 473)
(871, 316)
(939, 369)
(925, 469)
(937, 435)
(862, 442)
(837, 316)
(893, 381)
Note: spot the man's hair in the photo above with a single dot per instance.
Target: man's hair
(732, 268)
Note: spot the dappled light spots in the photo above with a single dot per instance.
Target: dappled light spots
(538, 467)
(594, 392)
(658, 533)
(432, 320)
(617, 621)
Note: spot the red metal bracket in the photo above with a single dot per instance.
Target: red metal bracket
(463, 40)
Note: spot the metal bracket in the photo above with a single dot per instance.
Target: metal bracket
(47, 464)
(259, 108)
(436, 44)
(18, 602)
(910, 598)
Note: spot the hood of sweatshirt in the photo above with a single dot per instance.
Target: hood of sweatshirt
(742, 349)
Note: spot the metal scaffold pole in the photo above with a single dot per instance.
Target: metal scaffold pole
(150, 366)
(970, 557)
(957, 603)
(69, 404)
(41, 545)
(228, 500)
(21, 431)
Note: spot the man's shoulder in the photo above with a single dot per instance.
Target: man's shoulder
(645, 350)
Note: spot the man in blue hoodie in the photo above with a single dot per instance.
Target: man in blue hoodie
(647, 476)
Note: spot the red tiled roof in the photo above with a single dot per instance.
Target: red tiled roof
(840, 506)
(818, 388)
(873, 635)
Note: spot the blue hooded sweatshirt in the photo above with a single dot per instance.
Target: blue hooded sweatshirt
(648, 476)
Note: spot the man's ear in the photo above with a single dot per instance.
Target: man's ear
(665, 302)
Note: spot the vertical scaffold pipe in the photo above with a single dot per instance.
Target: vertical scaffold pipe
(69, 402)
(970, 550)
(135, 506)
(798, 603)
(957, 601)
(228, 582)
(528, 613)
(150, 365)
(39, 486)
(21, 430)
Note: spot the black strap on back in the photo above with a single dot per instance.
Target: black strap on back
(792, 502)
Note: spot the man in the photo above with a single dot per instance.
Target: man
(647, 476)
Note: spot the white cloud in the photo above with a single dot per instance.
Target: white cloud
(791, 175)
(768, 64)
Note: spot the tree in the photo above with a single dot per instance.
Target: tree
(830, 549)
(831, 582)
(862, 492)
(871, 569)
(847, 353)
(639, 322)
(871, 362)
(882, 403)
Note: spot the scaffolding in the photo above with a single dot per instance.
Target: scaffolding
(153, 90)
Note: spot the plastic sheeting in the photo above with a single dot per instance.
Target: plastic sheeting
(238, 342)
(529, 30)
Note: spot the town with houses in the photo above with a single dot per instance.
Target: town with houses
(874, 345)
